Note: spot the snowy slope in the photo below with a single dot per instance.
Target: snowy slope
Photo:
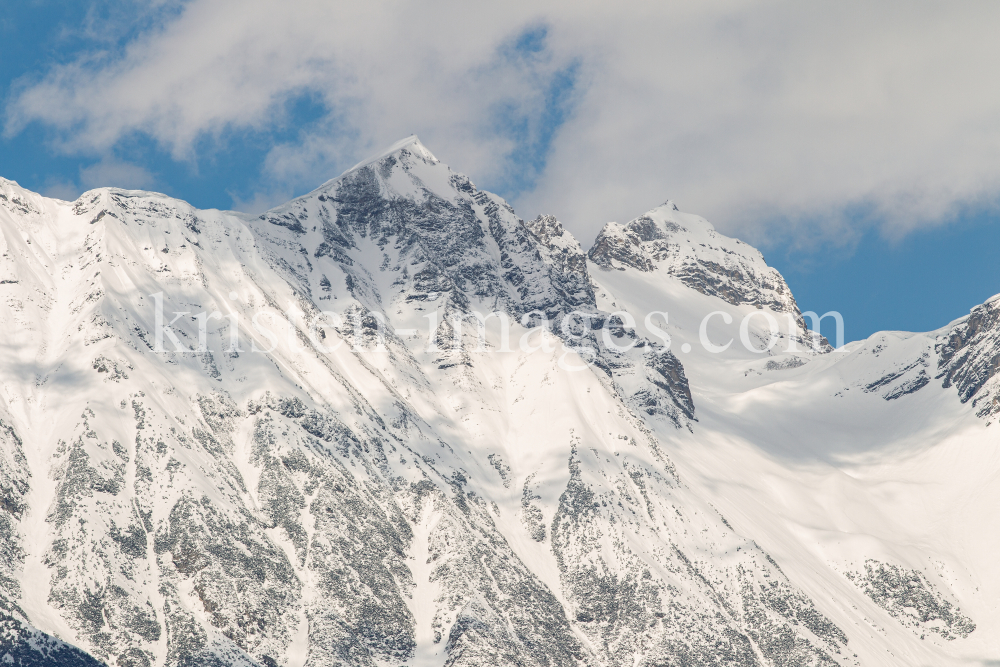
(597, 492)
(861, 469)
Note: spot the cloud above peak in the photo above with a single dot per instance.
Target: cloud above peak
(764, 117)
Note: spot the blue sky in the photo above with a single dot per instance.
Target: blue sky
(590, 119)
(917, 283)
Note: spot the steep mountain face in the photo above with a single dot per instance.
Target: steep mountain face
(969, 358)
(391, 423)
(687, 248)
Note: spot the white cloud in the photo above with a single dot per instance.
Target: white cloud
(61, 189)
(771, 114)
(114, 173)
(763, 116)
(259, 202)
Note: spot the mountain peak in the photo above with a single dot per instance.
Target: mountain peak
(687, 247)
(548, 230)
(412, 143)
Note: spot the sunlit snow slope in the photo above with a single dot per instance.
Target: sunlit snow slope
(381, 487)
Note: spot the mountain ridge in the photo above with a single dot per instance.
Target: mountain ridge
(394, 502)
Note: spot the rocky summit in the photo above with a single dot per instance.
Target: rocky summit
(392, 423)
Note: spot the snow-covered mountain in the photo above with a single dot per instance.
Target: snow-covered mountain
(391, 423)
